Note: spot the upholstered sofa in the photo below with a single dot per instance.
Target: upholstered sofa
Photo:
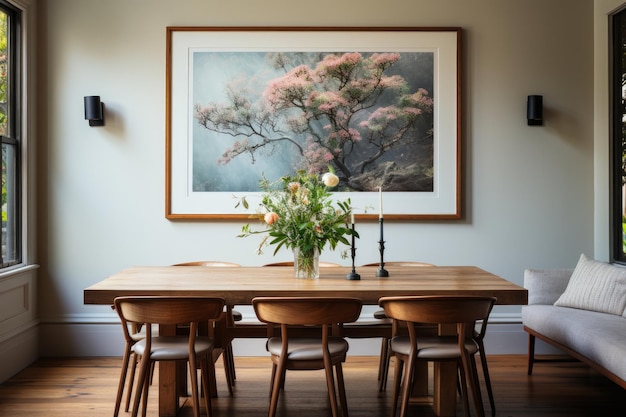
(581, 312)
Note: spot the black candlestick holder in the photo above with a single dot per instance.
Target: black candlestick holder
(382, 272)
(353, 276)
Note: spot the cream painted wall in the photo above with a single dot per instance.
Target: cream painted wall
(528, 191)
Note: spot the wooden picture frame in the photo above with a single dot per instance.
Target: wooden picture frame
(222, 95)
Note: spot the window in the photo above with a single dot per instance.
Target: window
(10, 125)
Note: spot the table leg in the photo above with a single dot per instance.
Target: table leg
(445, 377)
(445, 380)
(168, 395)
(419, 390)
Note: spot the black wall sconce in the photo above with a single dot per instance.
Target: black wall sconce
(94, 111)
(534, 110)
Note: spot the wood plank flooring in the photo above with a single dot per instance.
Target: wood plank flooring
(85, 387)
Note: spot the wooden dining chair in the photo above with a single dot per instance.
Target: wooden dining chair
(385, 327)
(327, 352)
(208, 263)
(136, 333)
(232, 316)
(194, 349)
(400, 263)
(290, 263)
(479, 335)
(462, 312)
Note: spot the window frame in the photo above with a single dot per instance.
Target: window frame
(13, 135)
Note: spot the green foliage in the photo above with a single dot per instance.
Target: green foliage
(298, 213)
(623, 234)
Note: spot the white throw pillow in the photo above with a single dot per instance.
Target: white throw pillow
(596, 286)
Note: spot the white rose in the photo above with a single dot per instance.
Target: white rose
(330, 180)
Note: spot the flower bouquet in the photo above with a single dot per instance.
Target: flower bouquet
(299, 214)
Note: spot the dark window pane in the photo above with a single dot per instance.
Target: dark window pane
(11, 243)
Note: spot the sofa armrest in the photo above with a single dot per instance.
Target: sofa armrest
(545, 286)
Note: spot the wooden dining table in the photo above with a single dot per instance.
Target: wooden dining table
(238, 286)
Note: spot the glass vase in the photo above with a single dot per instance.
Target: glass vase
(306, 263)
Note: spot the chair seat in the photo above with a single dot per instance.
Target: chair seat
(307, 349)
(173, 348)
(380, 315)
(435, 348)
(237, 316)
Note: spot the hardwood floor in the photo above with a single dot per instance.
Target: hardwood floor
(86, 387)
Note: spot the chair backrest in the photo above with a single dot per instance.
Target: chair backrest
(208, 263)
(401, 263)
(438, 309)
(290, 263)
(307, 311)
(168, 310)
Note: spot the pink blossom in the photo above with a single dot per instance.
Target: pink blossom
(271, 218)
(294, 85)
(314, 156)
(421, 97)
(395, 81)
(412, 110)
(384, 113)
(384, 59)
(355, 135)
(332, 63)
(343, 134)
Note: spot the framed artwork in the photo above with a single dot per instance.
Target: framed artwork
(378, 106)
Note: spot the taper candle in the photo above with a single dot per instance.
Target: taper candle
(353, 247)
(352, 221)
(380, 202)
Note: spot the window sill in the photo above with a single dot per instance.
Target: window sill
(15, 270)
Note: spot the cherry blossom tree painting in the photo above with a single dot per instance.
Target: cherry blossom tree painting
(369, 116)
(377, 106)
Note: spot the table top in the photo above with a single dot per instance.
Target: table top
(239, 285)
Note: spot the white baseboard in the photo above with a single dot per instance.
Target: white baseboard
(71, 339)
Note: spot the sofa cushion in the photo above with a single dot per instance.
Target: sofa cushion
(599, 337)
(596, 286)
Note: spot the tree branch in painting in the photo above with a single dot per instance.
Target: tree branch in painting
(347, 110)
